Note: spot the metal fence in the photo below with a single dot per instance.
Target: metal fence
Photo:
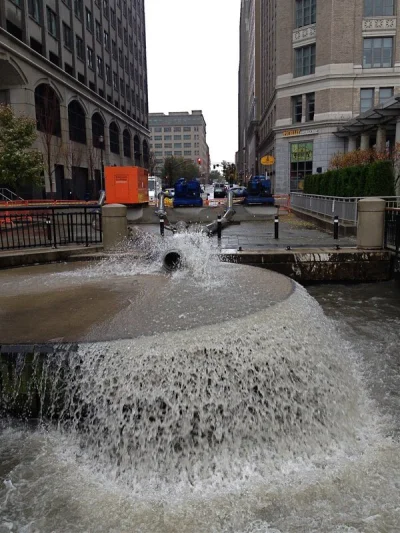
(392, 229)
(330, 206)
(34, 227)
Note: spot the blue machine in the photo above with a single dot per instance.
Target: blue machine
(187, 193)
(259, 191)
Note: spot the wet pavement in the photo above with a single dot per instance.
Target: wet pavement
(293, 232)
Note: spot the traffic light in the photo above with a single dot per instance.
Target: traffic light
(198, 161)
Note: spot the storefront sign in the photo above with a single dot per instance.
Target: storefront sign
(301, 152)
(296, 133)
(268, 160)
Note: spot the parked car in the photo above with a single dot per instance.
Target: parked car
(238, 192)
(169, 193)
(219, 190)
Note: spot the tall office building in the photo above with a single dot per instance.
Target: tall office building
(180, 134)
(79, 68)
(249, 89)
(326, 67)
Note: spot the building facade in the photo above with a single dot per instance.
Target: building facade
(180, 134)
(79, 68)
(340, 61)
(249, 89)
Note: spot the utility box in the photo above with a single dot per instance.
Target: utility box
(126, 185)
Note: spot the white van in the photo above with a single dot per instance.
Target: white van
(155, 187)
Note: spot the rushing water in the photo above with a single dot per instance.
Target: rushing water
(284, 421)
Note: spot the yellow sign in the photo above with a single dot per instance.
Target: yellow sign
(291, 133)
(268, 160)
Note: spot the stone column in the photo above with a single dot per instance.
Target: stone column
(397, 156)
(115, 225)
(381, 139)
(371, 223)
(364, 141)
(352, 144)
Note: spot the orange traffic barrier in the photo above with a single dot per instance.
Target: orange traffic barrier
(283, 201)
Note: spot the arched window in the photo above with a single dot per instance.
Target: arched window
(77, 122)
(98, 131)
(47, 107)
(136, 149)
(145, 154)
(127, 143)
(114, 138)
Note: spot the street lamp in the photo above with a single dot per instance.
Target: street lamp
(101, 142)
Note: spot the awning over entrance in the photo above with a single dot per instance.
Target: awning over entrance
(379, 122)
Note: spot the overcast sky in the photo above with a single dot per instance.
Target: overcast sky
(193, 61)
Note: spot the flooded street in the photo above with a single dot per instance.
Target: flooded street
(282, 417)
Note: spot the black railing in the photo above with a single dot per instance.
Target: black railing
(41, 226)
(392, 229)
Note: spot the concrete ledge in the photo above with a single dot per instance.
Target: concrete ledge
(319, 265)
(16, 258)
(326, 224)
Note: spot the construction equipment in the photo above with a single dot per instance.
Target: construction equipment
(259, 191)
(187, 193)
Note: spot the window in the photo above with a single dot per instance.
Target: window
(127, 64)
(98, 31)
(127, 92)
(108, 74)
(177, 137)
(167, 145)
(385, 93)
(158, 146)
(168, 138)
(121, 87)
(77, 122)
(378, 8)
(187, 152)
(106, 40)
(167, 129)
(34, 9)
(67, 36)
(100, 67)
(187, 145)
(378, 52)
(119, 28)
(301, 164)
(126, 36)
(305, 12)
(90, 57)
(51, 22)
(89, 20)
(78, 9)
(68, 69)
(158, 130)
(305, 60)
(177, 128)
(177, 145)
(115, 81)
(366, 99)
(158, 138)
(126, 138)
(114, 138)
(113, 17)
(79, 48)
(297, 103)
(120, 57)
(186, 128)
(310, 107)
(114, 49)
(187, 137)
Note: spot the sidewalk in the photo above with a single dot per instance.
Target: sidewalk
(293, 232)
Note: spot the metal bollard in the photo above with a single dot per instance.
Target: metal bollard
(219, 227)
(276, 225)
(48, 226)
(336, 228)
(162, 226)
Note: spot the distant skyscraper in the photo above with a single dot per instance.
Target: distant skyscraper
(180, 134)
(339, 61)
(78, 67)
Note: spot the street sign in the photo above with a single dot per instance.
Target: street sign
(268, 160)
